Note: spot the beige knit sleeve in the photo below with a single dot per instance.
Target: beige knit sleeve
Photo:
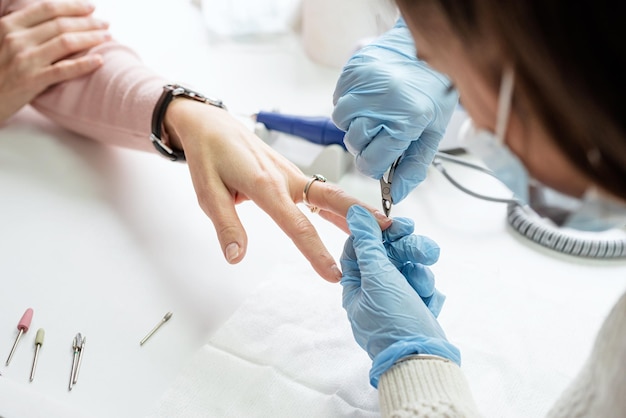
(425, 388)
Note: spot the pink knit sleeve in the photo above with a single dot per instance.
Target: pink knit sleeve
(112, 105)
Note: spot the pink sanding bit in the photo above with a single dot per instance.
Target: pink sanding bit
(22, 327)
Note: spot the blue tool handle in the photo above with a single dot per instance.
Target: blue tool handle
(317, 129)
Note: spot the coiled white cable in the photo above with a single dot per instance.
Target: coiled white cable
(550, 236)
(530, 225)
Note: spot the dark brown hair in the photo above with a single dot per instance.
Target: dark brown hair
(569, 61)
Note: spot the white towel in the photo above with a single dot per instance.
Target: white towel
(287, 351)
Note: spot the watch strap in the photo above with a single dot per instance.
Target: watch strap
(170, 92)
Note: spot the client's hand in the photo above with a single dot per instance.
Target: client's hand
(229, 164)
(37, 44)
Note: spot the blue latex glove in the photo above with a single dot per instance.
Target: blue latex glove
(390, 104)
(402, 246)
(386, 306)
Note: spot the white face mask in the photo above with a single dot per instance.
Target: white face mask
(592, 212)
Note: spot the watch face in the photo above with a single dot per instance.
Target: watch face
(179, 90)
(184, 91)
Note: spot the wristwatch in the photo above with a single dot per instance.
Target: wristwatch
(171, 91)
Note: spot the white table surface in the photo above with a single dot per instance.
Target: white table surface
(105, 241)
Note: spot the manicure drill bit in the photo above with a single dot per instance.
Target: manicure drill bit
(76, 343)
(81, 350)
(38, 343)
(163, 320)
(22, 326)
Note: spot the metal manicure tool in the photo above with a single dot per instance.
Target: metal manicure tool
(78, 345)
(22, 326)
(38, 343)
(385, 187)
(157, 326)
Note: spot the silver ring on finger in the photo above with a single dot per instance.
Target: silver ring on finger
(307, 187)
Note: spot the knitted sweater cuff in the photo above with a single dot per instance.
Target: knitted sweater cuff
(423, 387)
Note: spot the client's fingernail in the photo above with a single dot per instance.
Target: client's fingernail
(336, 272)
(382, 218)
(231, 252)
